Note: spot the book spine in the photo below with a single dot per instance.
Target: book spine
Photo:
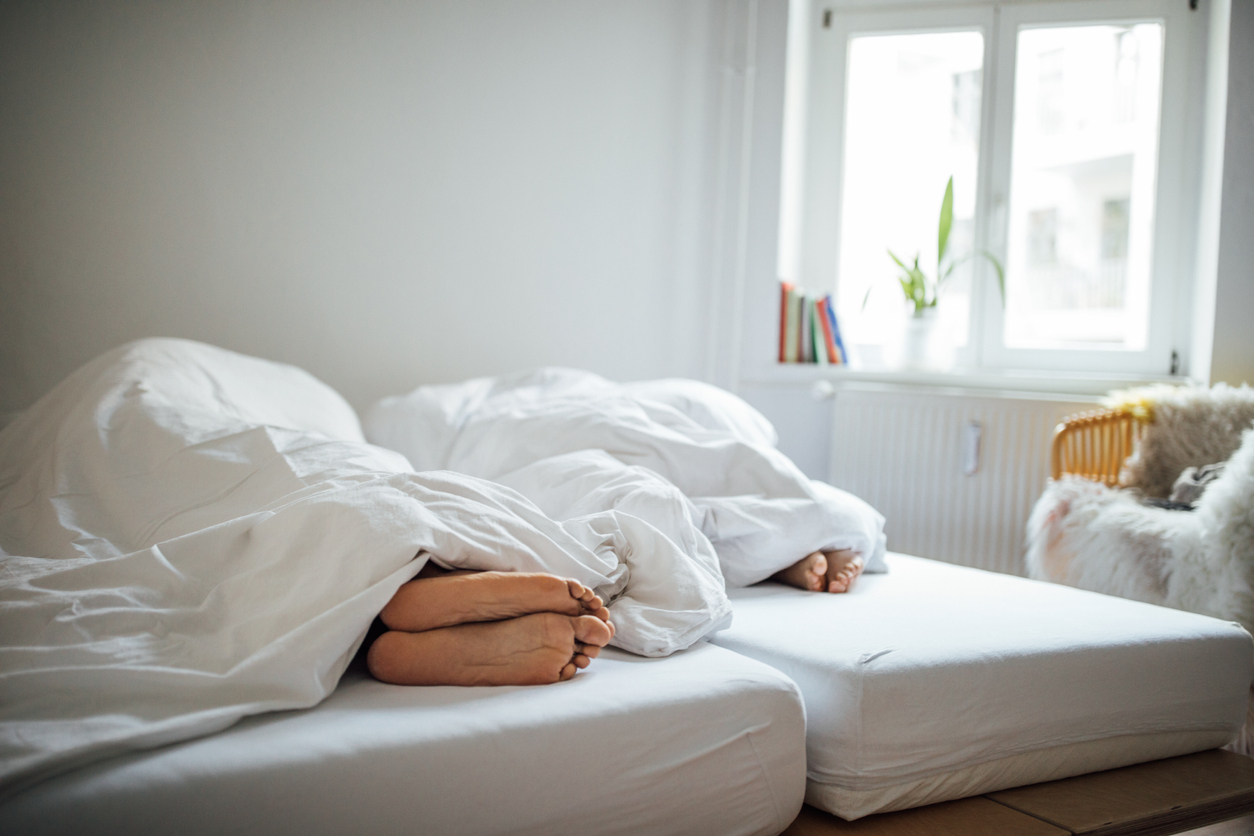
(784, 289)
(829, 342)
(791, 327)
(840, 344)
(820, 343)
(798, 307)
(807, 338)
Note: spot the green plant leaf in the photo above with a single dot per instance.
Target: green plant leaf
(946, 223)
(1001, 274)
(907, 288)
(918, 286)
(867, 296)
(914, 283)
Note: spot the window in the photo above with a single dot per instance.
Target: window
(901, 89)
(1082, 186)
(1062, 126)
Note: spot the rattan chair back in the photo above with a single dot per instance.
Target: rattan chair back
(1095, 444)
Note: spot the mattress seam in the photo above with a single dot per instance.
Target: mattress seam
(861, 715)
(766, 775)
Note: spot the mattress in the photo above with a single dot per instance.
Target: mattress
(704, 741)
(936, 681)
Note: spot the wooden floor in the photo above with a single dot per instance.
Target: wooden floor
(1207, 794)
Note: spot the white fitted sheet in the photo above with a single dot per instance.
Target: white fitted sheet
(916, 679)
(704, 741)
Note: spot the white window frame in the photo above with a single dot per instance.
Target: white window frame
(812, 255)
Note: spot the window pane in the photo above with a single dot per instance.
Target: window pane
(912, 120)
(1085, 157)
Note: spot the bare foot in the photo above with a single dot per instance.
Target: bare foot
(833, 571)
(534, 649)
(808, 573)
(430, 603)
(843, 568)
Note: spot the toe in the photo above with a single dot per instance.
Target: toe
(591, 630)
(839, 584)
(818, 571)
(588, 599)
(568, 671)
(581, 661)
(845, 566)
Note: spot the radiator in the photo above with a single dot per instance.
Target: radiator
(955, 476)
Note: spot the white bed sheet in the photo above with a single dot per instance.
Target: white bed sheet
(937, 681)
(704, 741)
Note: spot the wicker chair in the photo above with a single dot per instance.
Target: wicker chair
(1095, 444)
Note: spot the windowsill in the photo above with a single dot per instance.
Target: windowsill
(959, 381)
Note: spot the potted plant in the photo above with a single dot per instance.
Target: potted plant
(921, 340)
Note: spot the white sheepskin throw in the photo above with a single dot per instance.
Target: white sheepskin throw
(1084, 534)
(1190, 427)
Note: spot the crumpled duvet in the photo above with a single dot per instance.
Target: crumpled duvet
(573, 442)
(189, 536)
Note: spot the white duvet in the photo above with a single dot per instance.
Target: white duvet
(189, 536)
(695, 462)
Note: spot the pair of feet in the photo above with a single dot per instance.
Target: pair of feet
(833, 571)
(517, 628)
(489, 628)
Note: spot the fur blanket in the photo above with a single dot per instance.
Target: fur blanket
(1086, 535)
(1190, 427)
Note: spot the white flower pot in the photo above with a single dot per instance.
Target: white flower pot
(922, 344)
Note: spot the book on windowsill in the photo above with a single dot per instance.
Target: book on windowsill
(808, 328)
(837, 341)
(785, 288)
(791, 318)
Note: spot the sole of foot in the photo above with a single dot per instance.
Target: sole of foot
(429, 603)
(536, 649)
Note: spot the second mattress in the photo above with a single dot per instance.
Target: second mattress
(917, 680)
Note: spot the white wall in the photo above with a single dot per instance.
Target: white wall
(1232, 357)
(384, 193)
